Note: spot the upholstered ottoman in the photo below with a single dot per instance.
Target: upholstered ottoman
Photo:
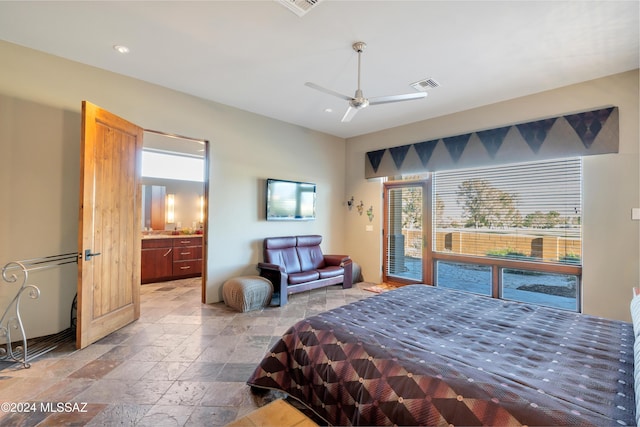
(246, 293)
(357, 272)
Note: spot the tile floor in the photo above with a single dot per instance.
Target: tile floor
(182, 363)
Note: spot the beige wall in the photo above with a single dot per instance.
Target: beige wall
(39, 172)
(40, 102)
(40, 97)
(611, 184)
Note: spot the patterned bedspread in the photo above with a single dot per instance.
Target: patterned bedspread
(425, 356)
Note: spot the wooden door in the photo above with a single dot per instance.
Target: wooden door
(109, 235)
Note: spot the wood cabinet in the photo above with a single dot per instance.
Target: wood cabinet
(187, 256)
(156, 260)
(171, 258)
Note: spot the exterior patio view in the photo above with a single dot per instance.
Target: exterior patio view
(549, 289)
(512, 233)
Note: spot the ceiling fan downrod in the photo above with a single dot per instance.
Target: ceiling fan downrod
(359, 101)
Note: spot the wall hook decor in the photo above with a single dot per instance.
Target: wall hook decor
(360, 207)
(350, 203)
(370, 213)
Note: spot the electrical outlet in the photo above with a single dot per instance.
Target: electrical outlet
(368, 227)
(635, 214)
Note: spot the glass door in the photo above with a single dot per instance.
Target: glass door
(406, 222)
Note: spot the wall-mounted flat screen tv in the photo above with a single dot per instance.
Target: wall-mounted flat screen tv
(290, 200)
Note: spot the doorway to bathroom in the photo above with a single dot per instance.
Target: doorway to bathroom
(174, 177)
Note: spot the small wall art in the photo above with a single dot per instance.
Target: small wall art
(350, 203)
(370, 213)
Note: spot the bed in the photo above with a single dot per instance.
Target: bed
(422, 355)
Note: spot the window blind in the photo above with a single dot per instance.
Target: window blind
(527, 211)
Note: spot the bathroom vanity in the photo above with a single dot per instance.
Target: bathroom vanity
(167, 257)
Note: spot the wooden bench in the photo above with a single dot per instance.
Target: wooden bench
(275, 414)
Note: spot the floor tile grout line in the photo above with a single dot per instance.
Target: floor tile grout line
(232, 360)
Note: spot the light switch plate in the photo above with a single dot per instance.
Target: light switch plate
(635, 214)
(368, 227)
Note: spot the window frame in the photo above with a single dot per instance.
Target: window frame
(497, 264)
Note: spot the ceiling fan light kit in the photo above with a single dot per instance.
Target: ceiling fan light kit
(358, 101)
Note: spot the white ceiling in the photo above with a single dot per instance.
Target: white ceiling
(257, 55)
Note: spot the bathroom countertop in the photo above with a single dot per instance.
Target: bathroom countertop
(169, 236)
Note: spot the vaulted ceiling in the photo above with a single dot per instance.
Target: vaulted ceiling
(257, 55)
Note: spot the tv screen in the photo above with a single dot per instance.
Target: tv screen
(290, 200)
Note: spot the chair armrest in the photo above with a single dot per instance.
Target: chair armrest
(337, 259)
(269, 266)
(276, 275)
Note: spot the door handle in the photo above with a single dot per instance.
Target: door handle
(88, 254)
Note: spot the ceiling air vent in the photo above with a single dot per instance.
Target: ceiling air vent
(424, 85)
(299, 7)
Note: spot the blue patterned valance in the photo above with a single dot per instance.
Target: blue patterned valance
(581, 134)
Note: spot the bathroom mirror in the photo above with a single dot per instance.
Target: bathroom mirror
(154, 207)
(173, 175)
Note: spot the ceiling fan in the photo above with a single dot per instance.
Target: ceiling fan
(358, 101)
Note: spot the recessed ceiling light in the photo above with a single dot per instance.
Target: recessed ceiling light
(120, 48)
(328, 110)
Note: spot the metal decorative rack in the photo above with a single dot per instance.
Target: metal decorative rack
(13, 272)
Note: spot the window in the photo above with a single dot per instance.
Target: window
(464, 277)
(168, 165)
(511, 231)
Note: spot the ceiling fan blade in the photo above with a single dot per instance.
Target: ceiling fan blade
(349, 114)
(328, 91)
(397, 98)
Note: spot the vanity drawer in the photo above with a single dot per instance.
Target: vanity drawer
(184, 268)
(187, 241)
(187, 253)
